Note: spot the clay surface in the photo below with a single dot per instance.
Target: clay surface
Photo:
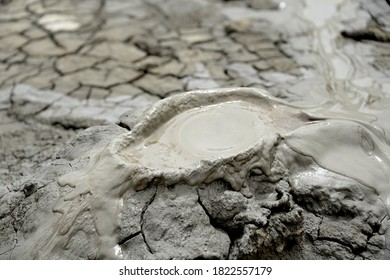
(288, 157)
(150, 129)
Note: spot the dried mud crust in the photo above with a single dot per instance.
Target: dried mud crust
(288, 218)
(124, 56)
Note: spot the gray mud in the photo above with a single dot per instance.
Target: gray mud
(87, 172)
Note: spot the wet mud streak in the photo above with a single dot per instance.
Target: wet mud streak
(351, 88)
(352, 149)
(98, 190)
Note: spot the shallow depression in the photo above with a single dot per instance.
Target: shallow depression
(203, 133)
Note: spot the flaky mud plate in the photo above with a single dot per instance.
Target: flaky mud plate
(216, 174)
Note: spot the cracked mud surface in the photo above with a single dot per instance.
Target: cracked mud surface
(66, 66)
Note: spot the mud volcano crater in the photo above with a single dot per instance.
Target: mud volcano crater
(214, 128)
(218, 174)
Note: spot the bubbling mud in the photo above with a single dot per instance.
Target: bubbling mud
(201, 136)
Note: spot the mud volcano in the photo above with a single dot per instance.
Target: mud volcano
(226, 173)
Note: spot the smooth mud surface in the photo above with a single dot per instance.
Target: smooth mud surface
(205, 133)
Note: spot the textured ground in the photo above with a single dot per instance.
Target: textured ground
(66, 65)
